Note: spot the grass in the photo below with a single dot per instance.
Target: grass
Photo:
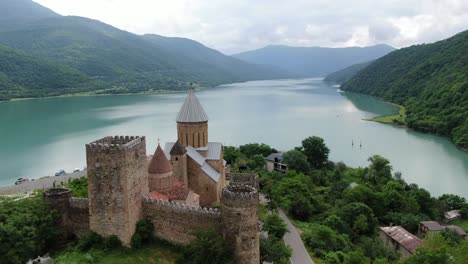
(463, 223)
(398, 119)
(157, 253)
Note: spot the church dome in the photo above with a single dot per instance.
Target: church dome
(159, 164)
(192, 111)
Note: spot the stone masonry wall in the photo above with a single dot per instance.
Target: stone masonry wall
(202, 184)
(193, 134)
(78, 215)
(178, 223)
(118, 178)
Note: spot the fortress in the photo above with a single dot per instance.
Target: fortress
(168, 188)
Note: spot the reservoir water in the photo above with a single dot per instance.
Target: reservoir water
(39, 137)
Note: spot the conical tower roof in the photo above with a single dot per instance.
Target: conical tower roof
(159, 163)
(178, 149)
(191, 110)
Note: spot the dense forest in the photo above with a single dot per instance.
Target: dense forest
(344, 75)
(92, 56)
(430, 80)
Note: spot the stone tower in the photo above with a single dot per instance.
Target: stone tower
(192, 123)
(117, 180)
(159, 171)
(179, 162)
(239, 205)
(59, 199)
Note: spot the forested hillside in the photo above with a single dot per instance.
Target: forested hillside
(431, 80)
(343, 75)
(24, 75)
(117, 61)
(313, 61)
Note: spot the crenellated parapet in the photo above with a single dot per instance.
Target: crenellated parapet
(115, 143)
(243, 178)
(182, 208)
(240, 195)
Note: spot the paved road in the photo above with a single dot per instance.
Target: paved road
(293, 239)
(40, 184)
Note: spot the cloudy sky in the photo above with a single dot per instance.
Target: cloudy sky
(233, 26)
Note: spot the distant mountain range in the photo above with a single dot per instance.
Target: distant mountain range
(313, 61)
(343, 75)
(431, 80)
(88, 55)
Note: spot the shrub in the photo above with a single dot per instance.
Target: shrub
(88, 241)
(207, 248)
(143, 234)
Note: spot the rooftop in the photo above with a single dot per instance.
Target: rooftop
(273, 156)
(192, 111)
(159, 163)
(432, 225)
(402, 237)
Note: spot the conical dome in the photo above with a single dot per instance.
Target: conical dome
(159, 163)
(192, 111)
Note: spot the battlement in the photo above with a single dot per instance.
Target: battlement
(57, 193)
(182, 208)
(243, 178)
(240, 195)
(116, 143)
(82, 203)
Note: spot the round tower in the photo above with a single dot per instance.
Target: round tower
(59, 199)
(159, 171)
(239, 210)
(192, 123)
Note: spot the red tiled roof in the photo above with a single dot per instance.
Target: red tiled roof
(178, 191)
(159, 163)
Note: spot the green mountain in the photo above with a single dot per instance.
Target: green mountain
(431, 80)
(343, 75)
(22, 75)
(116, 60)
(313, 61)
(17, 13)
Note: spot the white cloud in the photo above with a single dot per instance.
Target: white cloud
(234, 26)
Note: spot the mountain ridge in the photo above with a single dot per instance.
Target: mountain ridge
(313, 61)
(430, 80)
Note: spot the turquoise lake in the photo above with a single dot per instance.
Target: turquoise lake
(40, 137)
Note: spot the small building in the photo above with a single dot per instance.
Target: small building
(432, 226)
(429, 226)
(274, 162)
(452, 215)
(400, 240)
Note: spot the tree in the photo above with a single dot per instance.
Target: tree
(316, 151)
(275, 226)
(452, 201)
(207, 248)
(254, 148)
(274, 250)
(380, 170)
(143, 234)
(297, 161)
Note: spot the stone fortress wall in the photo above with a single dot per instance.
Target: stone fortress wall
(178, 223)
(118, 199)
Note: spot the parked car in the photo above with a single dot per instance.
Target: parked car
(60, 173)
(76, 170)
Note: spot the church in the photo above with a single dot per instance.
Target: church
(192, 170)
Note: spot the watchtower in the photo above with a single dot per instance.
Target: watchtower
(59, 199)
(239, 211)
(117, 181)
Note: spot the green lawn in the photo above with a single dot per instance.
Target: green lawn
(399, 119)
(150, 254)
(463, 223)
